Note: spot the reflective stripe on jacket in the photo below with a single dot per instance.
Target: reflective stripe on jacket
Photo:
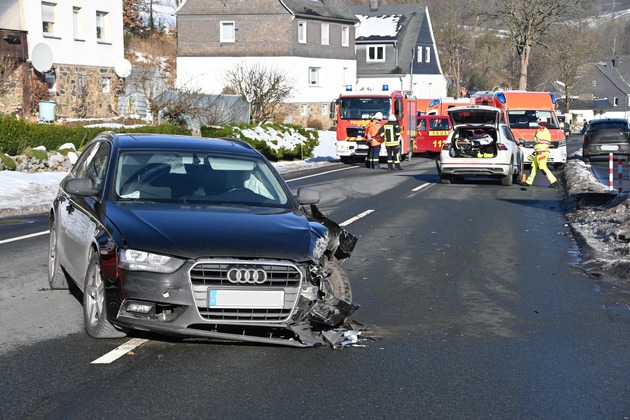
(390, 132)
(542, 139)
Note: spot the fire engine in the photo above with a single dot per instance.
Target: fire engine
(431, 133)
(521, 111)
(352, 112)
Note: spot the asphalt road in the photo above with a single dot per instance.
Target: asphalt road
(474, 289)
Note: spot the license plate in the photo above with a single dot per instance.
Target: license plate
(250, 299)
(610, 147)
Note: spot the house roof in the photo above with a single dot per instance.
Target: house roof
(408, 27)
(320, 9)
(387, 22)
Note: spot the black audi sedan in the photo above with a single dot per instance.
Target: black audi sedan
(196, 237)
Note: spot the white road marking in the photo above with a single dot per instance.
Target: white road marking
(321, 173)
(19, 238)
(355, 218)
(419, 187)
(120, 351)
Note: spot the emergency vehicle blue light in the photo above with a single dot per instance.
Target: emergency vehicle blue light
(434, 102)
(385, 87)
(501, 97)
(553, 98)
(348, 88)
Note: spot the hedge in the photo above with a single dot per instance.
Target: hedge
(17, 136)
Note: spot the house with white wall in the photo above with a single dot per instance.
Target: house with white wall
(310, 41)
(73, 46)
(396, 48)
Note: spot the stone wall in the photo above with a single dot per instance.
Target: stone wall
(79, 92)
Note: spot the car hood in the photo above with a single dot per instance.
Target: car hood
(475, 115)
(200, 231)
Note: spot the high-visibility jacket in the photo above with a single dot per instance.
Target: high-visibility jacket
(391, 133)
(542, 139)
(372, 134)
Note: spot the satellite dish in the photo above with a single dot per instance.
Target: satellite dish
(42, 57)
(123, 68)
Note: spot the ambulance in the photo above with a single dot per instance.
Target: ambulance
(521, 111)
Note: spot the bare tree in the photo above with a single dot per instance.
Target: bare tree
(572, 48)
(265, 88)
(529, 21)
(192, 108)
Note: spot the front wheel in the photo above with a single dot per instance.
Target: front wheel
(94, 304)
(339, 282)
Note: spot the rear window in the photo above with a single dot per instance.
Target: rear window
(604, 125)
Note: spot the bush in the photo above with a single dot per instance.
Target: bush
(18, 135)
(266, 137)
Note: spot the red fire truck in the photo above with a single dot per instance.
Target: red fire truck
(352, 112)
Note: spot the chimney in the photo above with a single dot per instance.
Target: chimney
(373, 5)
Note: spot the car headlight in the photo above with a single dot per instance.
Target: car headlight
(320, 247)
(134, 260)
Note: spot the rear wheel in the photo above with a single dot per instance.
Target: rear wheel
(94, 304)
(507, 180)
(339, 282)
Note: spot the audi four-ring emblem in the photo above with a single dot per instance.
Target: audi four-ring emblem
(247, 275)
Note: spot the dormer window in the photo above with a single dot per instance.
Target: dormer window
(375, 53)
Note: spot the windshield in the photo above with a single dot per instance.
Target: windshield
(197, 177)
(529, 118)
(364, 108)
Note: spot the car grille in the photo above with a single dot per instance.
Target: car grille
(215, 275)
(355, 131)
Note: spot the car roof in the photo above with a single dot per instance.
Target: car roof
(178, 142)
(604, 120)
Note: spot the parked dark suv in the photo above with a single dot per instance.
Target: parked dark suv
(604, 136)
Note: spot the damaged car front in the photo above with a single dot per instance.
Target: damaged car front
(197, 238)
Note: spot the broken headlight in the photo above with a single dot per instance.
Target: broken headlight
(319, 248)
(134, 260)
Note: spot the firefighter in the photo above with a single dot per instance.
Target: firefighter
(542, 140)
(374, 141)
(390, 131)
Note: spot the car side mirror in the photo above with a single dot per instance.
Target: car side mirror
(307, 196)
(79, 186)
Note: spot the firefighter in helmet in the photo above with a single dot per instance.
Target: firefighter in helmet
(390, 131)
(373, 140)
(542, 140)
